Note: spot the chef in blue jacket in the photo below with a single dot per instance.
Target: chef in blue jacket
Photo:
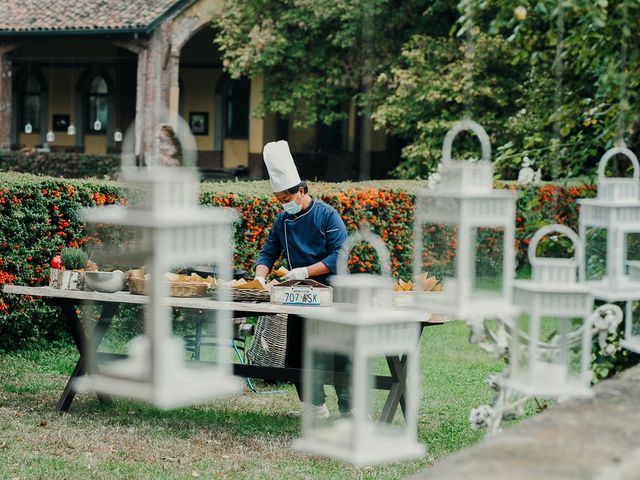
(311, 236)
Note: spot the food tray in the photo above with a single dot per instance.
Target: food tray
(138, 286)
(245, 295)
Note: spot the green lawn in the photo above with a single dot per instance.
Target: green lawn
(247, 436)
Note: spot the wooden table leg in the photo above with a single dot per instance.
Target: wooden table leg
(398, 369)
(82, 344)
(396, 392)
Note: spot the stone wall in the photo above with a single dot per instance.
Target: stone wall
(595, 439)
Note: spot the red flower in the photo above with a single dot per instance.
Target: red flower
(6, 277)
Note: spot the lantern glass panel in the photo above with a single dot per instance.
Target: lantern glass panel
(376, 401)
(635, 319)
(116, 247)
(595, 253)
(631, 248)
(331, 368)
(489, 261)
(201, 334)
(632, 326)
(549, 351)
(438, 253)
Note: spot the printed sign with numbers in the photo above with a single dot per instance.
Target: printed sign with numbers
(301, 296)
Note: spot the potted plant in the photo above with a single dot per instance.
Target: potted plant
(73, 261)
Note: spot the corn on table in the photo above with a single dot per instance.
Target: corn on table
(68, 300)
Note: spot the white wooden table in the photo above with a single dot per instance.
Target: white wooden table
(68, 300)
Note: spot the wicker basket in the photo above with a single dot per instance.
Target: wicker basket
(246, 295)
(269, 342)
(138, 286)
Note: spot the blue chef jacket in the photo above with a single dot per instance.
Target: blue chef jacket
(316, 234)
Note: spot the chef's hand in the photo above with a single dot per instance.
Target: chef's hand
(262, 280)
(297, 274)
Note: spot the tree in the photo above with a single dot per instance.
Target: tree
(555, 84)
(319, 55)
(578, 107)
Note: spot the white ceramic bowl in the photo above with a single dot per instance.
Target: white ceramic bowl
(107, 282)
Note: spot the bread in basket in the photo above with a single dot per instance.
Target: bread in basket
(179, 285)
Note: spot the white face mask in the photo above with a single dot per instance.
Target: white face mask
(292, 207)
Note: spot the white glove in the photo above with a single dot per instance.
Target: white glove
(297, 274)
(262, 280)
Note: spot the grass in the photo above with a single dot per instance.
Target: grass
(247, 436)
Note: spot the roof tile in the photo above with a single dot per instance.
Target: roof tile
(61, 15)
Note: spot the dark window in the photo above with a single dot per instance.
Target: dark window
(237, 109)
(331, 138)
(31, 103)
(98, 108)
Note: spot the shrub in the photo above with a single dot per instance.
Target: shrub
(59, 164)
(39, 219)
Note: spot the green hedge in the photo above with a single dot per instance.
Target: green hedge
(39, 218)
(58, 164)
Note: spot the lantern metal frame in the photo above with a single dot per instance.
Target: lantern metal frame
(556, 289)
(616, 209)
(465, 198)
(362, 324)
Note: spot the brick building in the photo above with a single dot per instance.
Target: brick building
(83, 71)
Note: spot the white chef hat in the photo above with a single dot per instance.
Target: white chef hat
(282, 171)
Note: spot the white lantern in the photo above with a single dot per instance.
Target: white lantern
(71, 129)
(173, 229)
(631, 339)
(51, 137)
(610, 229)
(117, 135)
(97, 125)
(28, 128)
(554, 303)
(464, 234)
(346, 345)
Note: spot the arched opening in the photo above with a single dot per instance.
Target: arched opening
(97, 105)
(236, 108)
(216, 109)
(30, 108)
(31, 103)
(86, 81)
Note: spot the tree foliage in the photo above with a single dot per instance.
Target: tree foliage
(550, 79)
(319, 55)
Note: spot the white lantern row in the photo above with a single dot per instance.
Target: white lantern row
(71, 130)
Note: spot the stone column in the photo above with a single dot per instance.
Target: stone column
(6, 74)
(256, 129)
(140, 98)
(153, 95)
(172, 72)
